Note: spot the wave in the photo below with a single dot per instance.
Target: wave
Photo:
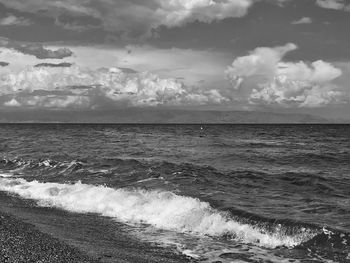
(19, 164)
(130, 171)
(163, 210)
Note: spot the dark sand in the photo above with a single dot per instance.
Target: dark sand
(29, 233)
(22, 242)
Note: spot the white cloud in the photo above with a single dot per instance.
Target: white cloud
(12, 103)
(303, 20)
(12, 20)
(262, 77)
(262, 61)
(179, 12)
(333, 4)
(68, 101)
(84, 88)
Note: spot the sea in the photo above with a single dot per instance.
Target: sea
(215, 193)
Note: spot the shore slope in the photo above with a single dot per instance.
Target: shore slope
(22, 242)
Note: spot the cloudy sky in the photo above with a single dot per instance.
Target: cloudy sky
(256, 55)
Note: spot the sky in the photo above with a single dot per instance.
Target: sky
(290, 56)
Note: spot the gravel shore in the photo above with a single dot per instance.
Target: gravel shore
(22, 242)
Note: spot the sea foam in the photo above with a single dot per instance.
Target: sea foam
(5, 175)
(163, 210)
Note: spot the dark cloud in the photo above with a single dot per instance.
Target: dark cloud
(134, 18)
(53, 65)
(78, 23)
(35, 49)
(45, 26)
(269, 25)
(128, 70)
(4, 64)
(257, 23)
(45, 93)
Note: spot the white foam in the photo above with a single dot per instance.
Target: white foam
(5, 175)
(163, 210)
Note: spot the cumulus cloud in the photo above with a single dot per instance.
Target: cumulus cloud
(303, 20)
(12, 20)
(136, 17)
(189, 64)
(35, 49)
(262, 77)
(84, 88)
(331, 4)
(12, 103)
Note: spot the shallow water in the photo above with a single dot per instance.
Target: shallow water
(242, 193)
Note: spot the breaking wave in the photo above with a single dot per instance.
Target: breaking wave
(163, 210)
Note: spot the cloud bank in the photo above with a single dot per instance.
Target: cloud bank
(76, 87)
(263, 78)
(35, 49)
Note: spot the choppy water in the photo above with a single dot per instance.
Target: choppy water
(229, 193)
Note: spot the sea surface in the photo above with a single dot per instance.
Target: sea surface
(216, 193)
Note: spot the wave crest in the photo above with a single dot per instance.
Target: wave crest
(163, 210)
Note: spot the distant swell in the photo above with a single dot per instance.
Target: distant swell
(163, 210)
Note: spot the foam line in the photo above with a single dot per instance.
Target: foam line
(163, 210)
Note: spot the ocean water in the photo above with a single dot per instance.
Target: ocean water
(216, 193)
